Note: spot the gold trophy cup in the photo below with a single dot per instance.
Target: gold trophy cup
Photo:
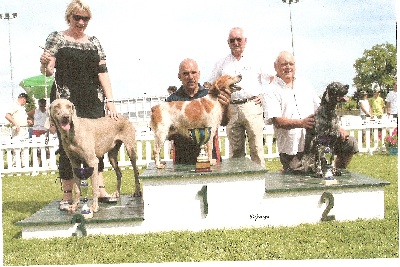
(201, 136)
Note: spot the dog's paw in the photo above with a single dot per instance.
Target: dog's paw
(137, 193)
(116, 194)
(94, 208)
(161, 165)
(213, 162)
(73, 207)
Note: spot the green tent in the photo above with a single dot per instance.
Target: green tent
(35, 86)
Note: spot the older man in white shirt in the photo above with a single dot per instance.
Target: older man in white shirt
(246, 109)
(290, 104)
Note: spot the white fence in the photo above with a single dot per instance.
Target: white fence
(375, 132)
(138, 109)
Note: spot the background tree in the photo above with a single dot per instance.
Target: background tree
(377, 65)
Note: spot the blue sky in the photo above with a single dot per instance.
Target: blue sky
(146, 40)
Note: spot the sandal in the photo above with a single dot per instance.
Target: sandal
(108, 199)
(64, 205)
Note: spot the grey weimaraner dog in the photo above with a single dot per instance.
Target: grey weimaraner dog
(85, 140)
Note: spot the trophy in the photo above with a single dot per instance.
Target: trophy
(83, 173)
(329, 179)
(201, 136)
(325, 169)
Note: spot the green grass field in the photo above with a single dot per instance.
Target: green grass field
(361, 239)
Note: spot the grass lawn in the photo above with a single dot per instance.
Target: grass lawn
(362, 239)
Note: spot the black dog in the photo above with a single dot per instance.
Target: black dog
(320, 140)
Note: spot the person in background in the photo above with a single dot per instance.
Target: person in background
(377, 106)
(17, 116)
(39, 117)
(82, 78)
(186, 150)
(365, 109)
(289, 104)
(391, 102)
(377, 103)
(171, 89)
(246, 110)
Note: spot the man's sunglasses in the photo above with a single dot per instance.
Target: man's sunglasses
(78, 18)
(232, 40)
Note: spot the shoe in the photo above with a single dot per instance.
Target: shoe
(109, 199)
(64, 205)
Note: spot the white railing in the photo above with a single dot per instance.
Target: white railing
(138, 109)
(29, 164)
(29, 161)
(375, 131)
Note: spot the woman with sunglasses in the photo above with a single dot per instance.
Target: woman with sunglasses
(81, 77)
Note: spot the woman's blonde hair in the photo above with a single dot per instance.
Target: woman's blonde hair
(76, 5)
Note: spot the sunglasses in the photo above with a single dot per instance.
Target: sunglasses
(232, 40)
(78, 18)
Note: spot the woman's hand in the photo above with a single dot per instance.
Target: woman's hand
(111, 111)
(46, 57)
(47, 61)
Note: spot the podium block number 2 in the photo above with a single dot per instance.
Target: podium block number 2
(329, 200)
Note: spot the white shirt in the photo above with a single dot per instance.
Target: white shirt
(251, 75)
(39, 120)
(392, 99)
(18, 113)
(279, 100)
(365, 104)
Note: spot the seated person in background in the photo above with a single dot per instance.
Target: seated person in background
(186, 150)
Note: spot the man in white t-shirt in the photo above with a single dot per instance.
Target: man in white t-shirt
(391, 101)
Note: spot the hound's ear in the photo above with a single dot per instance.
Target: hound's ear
(326, 96)
(73, 111)
(214, 90)
(52, 120)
